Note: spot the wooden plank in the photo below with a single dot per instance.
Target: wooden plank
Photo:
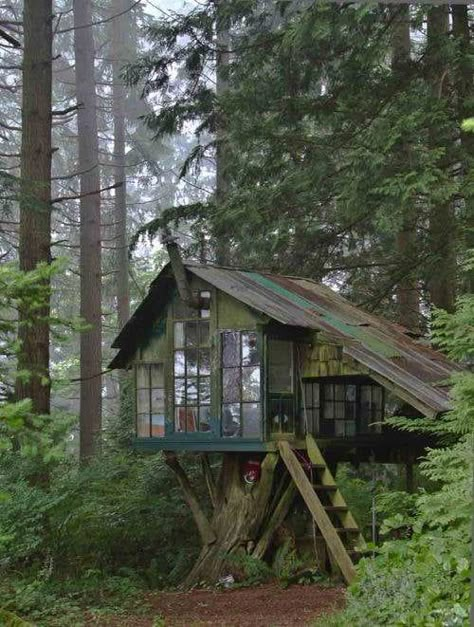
(330, 535)
(347, 519)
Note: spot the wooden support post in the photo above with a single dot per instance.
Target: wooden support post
(330, 535)
(277, 518)
(205, 530)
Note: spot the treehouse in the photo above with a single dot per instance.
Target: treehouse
(285, 378)
(229, 360)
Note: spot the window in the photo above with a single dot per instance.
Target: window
(150, 400)
(343, 408)
(281, 399)
(240, 385)
(311, 407)
(192, 381)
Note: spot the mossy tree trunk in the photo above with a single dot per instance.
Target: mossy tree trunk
(244, 516)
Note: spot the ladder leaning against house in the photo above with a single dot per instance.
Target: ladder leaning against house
(326, 505)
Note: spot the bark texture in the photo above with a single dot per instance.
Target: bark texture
(442, 279)
(119, 59)
(407, 288)
(222, 149)
(35, 198)
(244, 517)
(90, 237)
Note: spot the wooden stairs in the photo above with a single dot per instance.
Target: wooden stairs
(326, 504)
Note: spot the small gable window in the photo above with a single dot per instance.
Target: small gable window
(241, 415)
(150, 400)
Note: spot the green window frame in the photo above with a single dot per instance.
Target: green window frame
(241, 408)
(150, 400)
(192, 369)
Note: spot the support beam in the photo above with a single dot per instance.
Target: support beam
(279, 514)
(205, 530)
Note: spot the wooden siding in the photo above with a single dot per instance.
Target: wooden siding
(324, 359)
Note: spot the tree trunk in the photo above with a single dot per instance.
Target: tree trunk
(119, 59)
(442, 279)
(244, 517)
(35, 199)
(222, 149)
(465, 92)
(407, 292)
(90, 237)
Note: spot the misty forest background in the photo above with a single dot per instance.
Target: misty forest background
(317, 139)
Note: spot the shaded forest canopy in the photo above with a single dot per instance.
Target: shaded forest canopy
(294, 137)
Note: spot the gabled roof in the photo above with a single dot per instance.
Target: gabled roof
(385, 348)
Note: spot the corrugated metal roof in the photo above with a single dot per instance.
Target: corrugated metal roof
(385, 348)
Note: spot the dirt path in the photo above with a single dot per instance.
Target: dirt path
(263, 606)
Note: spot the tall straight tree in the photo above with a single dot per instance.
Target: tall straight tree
(35, 199)
(442, 279)
(90, 231)
(407, 294)
(119, 59)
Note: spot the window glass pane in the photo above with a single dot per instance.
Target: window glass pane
(179, 363)
(280, 366)
(191, 390)
(339, 391)
(308, 394)
(158, 401)
(350, 428)
(339, 428)
(204, 361)
(191, 362)
(204, 333)
(143, 425)
(143, 377)
(204, 418)
(231, 420)
(230, 349)
(157, 378)
(143, 401)
(328, 410)
(186, 419)
(205, 304)
(158, 425)
(315, 394)
(179, 392)
(251, 420)
(204, 390)
(192, 334)
(328, 391)
(249, 349)
(340, 410)
(179, 334)
(251, 384)
(351, 393)
(231, 385)
(180, 419)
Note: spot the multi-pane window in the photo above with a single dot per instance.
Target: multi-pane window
(342, 408)
(150, 400)
(192, 381)
(281, 399)
(241, 416)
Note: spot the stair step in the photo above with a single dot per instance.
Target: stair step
(343, 530)
(325, 488)
(336, 508)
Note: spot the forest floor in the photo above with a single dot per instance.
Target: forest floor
(266, 605)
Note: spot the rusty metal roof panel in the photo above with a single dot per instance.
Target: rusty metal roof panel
(384, 347)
